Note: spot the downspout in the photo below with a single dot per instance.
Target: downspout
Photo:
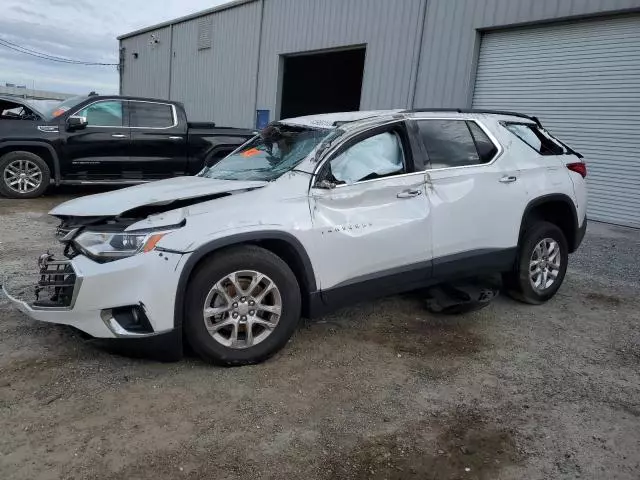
(255, 103)
(170, 59)
(121, 68)
(414, 75)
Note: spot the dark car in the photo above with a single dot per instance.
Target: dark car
(104, 140)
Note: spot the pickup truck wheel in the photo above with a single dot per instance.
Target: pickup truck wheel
(243, 305)
(541, 266)
(24, 175)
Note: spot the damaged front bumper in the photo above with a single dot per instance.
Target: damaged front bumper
(129, 298)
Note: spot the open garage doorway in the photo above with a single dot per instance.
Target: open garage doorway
(321, 82)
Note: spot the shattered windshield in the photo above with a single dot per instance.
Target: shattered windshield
(278, 149)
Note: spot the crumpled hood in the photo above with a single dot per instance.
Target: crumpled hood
(154, 193)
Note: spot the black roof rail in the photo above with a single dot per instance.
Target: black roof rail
(475, 110)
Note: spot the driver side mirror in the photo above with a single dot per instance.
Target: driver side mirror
(76, 122)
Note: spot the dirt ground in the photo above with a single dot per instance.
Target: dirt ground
(380, 390)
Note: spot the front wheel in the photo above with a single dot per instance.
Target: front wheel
(543, 256)
(24, 175)
(243, 305)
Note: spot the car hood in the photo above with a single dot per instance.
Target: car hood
(167, 193)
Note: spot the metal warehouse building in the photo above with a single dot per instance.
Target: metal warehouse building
(573, 63)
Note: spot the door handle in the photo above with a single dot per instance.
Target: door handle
(409, 194)
(175, 138)
(119, 135)
(508, 179)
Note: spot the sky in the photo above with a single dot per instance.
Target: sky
(81, 30)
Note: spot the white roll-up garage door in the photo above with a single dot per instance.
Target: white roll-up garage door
(582, 80)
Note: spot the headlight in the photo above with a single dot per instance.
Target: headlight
(113, 245)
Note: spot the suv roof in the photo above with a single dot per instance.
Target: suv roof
(357, 118)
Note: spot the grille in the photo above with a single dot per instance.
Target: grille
(57, 283)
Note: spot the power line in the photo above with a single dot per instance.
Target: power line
(28, 51)
(46, 56)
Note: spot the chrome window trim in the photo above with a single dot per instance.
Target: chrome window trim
(342, 185)
(328, 156)
(174, 113)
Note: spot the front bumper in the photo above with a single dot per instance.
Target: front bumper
(147, 281)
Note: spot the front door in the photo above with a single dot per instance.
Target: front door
(370, 216)
(158, 140)
(476, 197)
(100, 151)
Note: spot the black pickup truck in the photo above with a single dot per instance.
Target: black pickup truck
(103, 140)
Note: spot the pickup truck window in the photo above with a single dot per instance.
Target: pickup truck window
(103, 114)
(151, 115)
(275, 151)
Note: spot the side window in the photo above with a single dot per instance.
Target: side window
(449, 143)
(151, 115)
(535, 137)
(103, 114)
(374, 157)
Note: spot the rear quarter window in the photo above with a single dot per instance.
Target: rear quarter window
(535, 137)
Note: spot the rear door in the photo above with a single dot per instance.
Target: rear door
(476, 195)
(158, 140)
(100, 151)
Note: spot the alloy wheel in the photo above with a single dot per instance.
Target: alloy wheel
(242, 309)
(22, 176)
(544, 265)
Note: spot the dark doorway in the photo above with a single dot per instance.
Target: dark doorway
(322, 83)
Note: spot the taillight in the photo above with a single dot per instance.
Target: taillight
(578, 167)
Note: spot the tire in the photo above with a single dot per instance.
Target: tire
(14, 164)
(519, 283)
(207, 286)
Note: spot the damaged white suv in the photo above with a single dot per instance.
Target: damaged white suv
(311, 214)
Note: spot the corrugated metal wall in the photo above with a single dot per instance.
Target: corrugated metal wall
(390, 29)
(147, 75)
(218, 83)
(582, 79)
(451, 40)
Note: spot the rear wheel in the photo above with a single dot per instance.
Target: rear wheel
(543, 256)
(243, 305)
(24, 175)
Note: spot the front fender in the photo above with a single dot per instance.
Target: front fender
(31, 143)
(238, 238)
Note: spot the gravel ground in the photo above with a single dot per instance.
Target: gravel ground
(380, 390)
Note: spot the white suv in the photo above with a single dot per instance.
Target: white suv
(311, 214)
